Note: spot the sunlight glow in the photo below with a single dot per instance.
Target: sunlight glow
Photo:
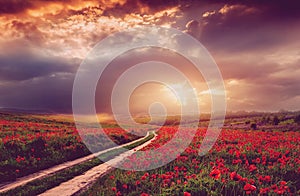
(182, 93)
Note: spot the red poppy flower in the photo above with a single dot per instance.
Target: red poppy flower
(252, 168)
(186, 194)
(264, 190)
(282, 183)
(249, 188)
(143, 177)
(235, 176)
(268, 178)
(215, 173)
(118, 193)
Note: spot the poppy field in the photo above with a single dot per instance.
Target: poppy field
(240, 163)
(245, 160)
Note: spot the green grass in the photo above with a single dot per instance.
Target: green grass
(41, 185)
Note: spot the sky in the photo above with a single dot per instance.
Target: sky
(255, 44)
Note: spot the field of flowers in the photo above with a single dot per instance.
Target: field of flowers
(240, 163)
(30, 143)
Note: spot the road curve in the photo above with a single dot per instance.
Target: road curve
(83, 181)
(43, 173)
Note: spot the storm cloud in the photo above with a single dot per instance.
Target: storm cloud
(26, 66)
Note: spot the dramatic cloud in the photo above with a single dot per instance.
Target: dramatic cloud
(238, 27)
(194, 28)
(49, 94)
(25, 66)
(13, 6)
(255, 43)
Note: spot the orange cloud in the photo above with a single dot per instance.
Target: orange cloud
(72, 28)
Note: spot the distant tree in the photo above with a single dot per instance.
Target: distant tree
(276, 120)
(253, 126)
(297, 119)
(247, 122)
(264, 120)
(268, 119)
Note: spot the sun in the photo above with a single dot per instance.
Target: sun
(180, 93)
